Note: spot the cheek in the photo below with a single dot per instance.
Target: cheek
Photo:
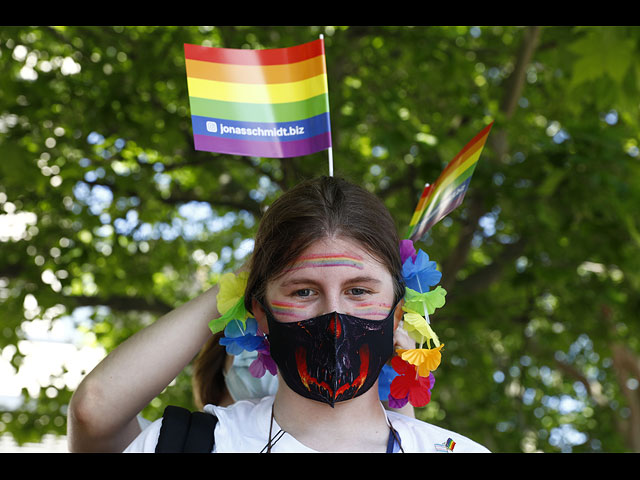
(372, 310)
(289, 311)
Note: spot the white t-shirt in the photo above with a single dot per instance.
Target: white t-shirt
(244, 428)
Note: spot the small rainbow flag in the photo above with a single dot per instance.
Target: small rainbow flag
(263, 103)
(450, 444)
(447, 193)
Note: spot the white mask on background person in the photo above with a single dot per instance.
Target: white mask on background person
(242, 385)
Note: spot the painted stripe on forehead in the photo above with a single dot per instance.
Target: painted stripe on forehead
(333, 260)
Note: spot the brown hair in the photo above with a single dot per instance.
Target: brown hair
(207, 380)
(317, 209)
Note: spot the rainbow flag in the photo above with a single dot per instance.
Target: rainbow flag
(263, 103)
(450, 444)
(447, 193)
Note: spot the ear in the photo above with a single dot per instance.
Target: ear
(398, 314)
(260, 316)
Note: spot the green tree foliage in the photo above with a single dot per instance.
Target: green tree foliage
(123, 218)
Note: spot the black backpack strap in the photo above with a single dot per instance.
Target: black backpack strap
(183, 431)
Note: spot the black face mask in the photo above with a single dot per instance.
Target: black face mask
(333, 357)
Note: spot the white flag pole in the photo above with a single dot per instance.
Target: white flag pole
(330, 162)
(330, 150)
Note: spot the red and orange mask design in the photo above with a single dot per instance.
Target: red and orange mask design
(333, 357)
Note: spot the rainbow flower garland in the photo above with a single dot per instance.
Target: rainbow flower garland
(240, 331)
(411, 369)
(408, 378)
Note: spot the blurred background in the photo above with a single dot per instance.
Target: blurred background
(109, 218)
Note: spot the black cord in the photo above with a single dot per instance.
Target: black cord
(272, 440)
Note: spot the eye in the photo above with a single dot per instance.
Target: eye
(357, 292)
(303, 292)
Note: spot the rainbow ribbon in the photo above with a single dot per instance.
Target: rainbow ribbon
(264, 103)
(447, 193)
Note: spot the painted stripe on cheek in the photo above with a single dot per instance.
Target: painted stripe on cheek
(375, 309)
(289, 310)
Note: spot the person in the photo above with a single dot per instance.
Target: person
(217, 379)
(325, 287)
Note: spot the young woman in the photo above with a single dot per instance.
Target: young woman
(325, 286)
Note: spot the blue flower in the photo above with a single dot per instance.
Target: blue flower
(239, 337)
(387, 374)
(419, 274)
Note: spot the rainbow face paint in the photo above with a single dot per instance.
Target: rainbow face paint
(321, 260)
(289, 311)
(372, 310)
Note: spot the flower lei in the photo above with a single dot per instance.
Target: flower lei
(241, 332)
(408, 378)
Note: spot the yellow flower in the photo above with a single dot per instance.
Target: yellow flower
(231, 290)
(230, 300)
(419, 329)
(425, 359)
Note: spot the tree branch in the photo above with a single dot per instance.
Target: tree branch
(122, 303)
(484, 277)
(514, 87)
(516, 81)
(181, 196)
(593, 387)
(626, 365)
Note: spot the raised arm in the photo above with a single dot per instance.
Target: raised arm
(103, 411)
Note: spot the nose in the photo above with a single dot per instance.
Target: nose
(334, 302)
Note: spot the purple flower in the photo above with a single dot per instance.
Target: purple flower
(263, 363)
(407, 250)
(398, 403)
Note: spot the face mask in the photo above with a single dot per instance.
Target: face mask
(333, 357)
(242, 385)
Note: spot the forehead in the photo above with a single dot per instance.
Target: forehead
(335, 255)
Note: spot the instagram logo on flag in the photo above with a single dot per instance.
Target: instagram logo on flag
(212, 127)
